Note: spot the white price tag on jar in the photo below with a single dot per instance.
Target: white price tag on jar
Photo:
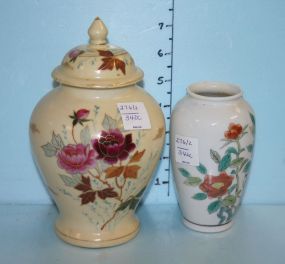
(186, 150)
(134, 115)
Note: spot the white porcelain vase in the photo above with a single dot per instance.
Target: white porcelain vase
(212, 139)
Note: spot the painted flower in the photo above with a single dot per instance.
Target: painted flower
(80, 116)
(216, 186)
(112, 146)
(233, 131)
(73, 54)
(76, 158)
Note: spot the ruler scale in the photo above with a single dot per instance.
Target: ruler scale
(166, 82)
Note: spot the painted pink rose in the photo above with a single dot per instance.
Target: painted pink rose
(82, 114)
(112, 146)
(73, 54)
(76, 158)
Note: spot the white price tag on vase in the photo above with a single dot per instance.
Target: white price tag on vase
(186, 150)
(134, 115)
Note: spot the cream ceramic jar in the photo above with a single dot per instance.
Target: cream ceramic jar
(212, 138)
(97, 139)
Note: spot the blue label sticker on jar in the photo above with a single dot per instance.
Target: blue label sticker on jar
(134, 115)
(186, 150)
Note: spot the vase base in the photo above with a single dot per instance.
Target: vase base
(97, 243)
(207, 228)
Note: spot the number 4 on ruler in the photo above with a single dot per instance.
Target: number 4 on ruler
(165, 84)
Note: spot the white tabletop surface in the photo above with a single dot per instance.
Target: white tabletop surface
(27, 236)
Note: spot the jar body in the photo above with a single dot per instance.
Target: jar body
(95, 170)
(212, 139)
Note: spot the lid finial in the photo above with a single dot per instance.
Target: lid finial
(98, 32)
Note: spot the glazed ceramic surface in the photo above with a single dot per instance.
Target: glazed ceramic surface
(97, 138)
(212, 139)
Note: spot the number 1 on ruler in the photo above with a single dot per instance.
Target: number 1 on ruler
(165, 83)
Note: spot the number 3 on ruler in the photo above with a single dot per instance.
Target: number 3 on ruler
(165, 84)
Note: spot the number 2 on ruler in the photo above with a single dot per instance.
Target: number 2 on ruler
(165, 83)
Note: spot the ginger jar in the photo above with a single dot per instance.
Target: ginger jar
(96, 139)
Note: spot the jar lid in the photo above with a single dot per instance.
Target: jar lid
(98, 64)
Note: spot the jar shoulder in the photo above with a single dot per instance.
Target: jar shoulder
(188, 106)
(193, 113)
(66, 98)
(62, 103)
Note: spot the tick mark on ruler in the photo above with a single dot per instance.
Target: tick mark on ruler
(164, 81)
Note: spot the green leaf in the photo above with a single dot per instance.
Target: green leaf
(232, 188)
(231, 150)
(247, 167)
(252, 118)
(243, 163)
(134, 203)
(193, 181)
(229, 200)
(249, 148)
(200, 196)
(202, 169)
(124, 205)
(236, 162)
(85, 136)
(218, 185)
(140, 193)
(227, 142)
(225, 162)
(109, 122)
(245, 127)
(57, 141)
(69, 181)
(215, 156)
(242, 150)
(214, 206)
(184, 172)
(49, 149)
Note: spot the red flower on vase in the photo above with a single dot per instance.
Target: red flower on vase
(216, 186)
(73, 54)
(76, 158)
(80, 116)
(112, 146)
(233, 131)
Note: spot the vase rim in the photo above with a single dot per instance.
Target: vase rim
(214, 91)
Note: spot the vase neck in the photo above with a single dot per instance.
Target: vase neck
(214, 91)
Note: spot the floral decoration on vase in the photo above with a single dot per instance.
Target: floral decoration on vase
(100, 168)
(223, 191)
